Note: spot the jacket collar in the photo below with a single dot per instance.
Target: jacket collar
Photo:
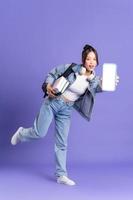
(77, 68)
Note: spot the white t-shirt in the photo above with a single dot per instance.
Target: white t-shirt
(77, 88)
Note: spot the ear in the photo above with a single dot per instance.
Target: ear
(82, 71)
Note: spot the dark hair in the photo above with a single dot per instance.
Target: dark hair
(87, 49)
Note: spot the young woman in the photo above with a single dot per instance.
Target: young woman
(84, 84)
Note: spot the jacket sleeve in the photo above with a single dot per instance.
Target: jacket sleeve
(99, 85)
(95, 84)
(55, 73)
(52, 76)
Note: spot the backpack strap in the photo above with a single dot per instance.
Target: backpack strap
(69, 70)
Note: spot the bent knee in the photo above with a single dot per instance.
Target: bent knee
(62, 147)
(39, 134)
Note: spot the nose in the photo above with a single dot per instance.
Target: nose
(91, 63)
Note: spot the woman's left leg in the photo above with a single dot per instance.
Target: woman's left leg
(62, 125)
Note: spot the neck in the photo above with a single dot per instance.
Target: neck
(88, 73)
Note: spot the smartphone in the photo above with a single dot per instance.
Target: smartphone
(109, 76)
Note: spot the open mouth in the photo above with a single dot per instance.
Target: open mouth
(91, 67)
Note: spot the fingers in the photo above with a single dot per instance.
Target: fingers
(117, 80)
(51, 92)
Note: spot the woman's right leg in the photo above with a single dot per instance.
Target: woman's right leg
(40, 128)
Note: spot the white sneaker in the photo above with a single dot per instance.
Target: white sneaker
(15, 138)
(65, 180)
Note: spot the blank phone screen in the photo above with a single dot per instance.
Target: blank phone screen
(109, 76)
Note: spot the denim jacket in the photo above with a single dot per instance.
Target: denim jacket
(85, 102)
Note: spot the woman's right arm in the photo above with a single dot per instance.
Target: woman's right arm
(51, 77)
(55, 73)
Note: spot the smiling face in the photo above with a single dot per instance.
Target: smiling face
(90, 61)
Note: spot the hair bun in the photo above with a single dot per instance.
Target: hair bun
(87, 46)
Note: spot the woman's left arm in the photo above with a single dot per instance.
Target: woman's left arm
(99, 83)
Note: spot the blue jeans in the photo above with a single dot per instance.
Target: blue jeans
(61, 111)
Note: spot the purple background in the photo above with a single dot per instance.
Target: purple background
(36, 36)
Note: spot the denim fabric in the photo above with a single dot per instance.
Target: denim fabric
(84, 105)
(61, 111)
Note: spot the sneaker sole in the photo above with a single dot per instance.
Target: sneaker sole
(64, 183)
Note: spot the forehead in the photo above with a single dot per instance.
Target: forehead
(91, 55)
